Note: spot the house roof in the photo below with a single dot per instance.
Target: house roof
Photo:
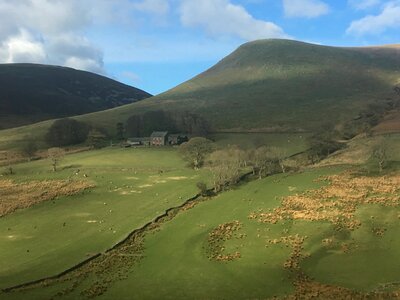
(159, 134)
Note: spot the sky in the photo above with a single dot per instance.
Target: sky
(157, 44)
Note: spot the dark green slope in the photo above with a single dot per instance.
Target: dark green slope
(30, 93)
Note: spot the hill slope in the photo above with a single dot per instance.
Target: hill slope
(288, 85)
(280, 85)
(30, 93)
(272, 85)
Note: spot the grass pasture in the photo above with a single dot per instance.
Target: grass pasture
(175, 263)
(294, 256)
(327, 231)
(132, 187)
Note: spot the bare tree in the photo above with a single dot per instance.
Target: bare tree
(279, 155)
(261, 161)
(55, 155)
(380, 156)
(225, 165)
(195, 151)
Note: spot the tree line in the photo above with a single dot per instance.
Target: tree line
(158, 120)
(227, 165)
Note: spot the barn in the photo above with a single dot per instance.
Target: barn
(159, 138)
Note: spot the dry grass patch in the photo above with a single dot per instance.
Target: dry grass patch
(15, 196)
(217, 238)
(337, 202)
(296, 243)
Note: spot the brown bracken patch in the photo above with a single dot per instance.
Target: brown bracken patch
(296, 243)
(337, 202)
(15, 196)
(217, 238)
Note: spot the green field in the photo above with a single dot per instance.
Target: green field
(176, 257)
(175, 265)
(130, 191)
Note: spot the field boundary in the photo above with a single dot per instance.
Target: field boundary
(84, 262)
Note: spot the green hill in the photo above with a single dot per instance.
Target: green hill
(271, 85)
(31, 93)
(288, 85)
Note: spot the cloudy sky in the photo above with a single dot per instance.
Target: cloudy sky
(157, 44)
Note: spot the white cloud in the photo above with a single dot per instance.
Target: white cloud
(23, 47)
(43, 31)
(74, 51)
(54, 31)
(363, 4)
(222, 18)
(389, 18)
(305, 8)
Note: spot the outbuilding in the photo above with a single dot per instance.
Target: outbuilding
(138, 141)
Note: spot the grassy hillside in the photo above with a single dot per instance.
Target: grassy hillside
(131, 187)
(31, 93)
(270, 85)
(268, 239)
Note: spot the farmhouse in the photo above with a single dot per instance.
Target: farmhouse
(159, 138)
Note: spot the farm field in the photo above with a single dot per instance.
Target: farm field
(282, 236)
(126, 189)
(327, 230)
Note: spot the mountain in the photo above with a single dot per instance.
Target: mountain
(273, 85)
(280, 85)
(289, 85)
(30, 93)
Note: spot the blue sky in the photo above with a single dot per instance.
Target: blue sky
(158, 44)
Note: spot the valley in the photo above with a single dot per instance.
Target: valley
(286, 187)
